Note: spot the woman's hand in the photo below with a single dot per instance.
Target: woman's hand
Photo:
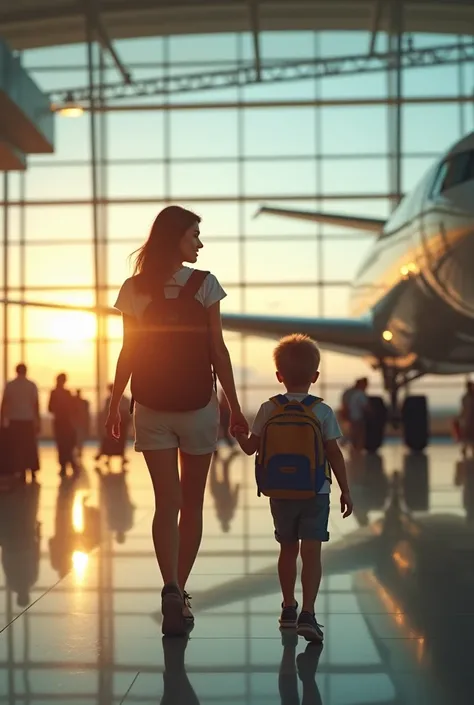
(238, 422)
(112, 425)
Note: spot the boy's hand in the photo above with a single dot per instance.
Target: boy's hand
(346, 504)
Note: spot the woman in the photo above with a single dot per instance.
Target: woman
(172, 342)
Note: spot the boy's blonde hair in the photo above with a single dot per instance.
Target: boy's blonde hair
(297, 359)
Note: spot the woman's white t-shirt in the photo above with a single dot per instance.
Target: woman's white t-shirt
(134, 303)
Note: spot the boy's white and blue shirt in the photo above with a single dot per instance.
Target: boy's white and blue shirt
(324, 414)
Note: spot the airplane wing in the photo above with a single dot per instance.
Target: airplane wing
(346, 335)
(373, 225)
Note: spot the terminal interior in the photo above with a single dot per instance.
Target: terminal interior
(108, 112)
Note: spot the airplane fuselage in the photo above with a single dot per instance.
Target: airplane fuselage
(416, 283)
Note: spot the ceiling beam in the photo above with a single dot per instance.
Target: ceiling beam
(106, 44)
(375, 25)
(254, 12)
(270, 73)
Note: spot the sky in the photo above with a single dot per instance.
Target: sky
(192, 158)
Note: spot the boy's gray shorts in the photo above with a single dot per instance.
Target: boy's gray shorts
(296, 519)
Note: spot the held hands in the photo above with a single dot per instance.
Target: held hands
(238, 423)
(346, 504)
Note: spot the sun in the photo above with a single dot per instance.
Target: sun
(73, 327)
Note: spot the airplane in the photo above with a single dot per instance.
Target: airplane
(412, 301)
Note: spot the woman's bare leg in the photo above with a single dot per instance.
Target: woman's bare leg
(163, 468)
(194, 472)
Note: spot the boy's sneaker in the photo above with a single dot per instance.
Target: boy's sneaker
(309, 628)
(289, 616)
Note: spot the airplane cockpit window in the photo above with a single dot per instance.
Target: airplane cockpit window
(454, 171)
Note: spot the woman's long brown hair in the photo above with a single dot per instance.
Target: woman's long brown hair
(156, 260)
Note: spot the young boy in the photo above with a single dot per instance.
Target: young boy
(302, 524)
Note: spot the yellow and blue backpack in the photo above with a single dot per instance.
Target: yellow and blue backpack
(291, 462)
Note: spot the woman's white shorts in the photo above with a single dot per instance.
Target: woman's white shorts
(194, 432)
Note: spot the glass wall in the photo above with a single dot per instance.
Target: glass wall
(312, 144)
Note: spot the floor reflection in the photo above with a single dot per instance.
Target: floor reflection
(397, 598)
(116, 502)
(20, 539)
(76, 527)
(224, 493)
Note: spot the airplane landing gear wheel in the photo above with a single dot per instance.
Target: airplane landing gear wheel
(415, 422)
(375, 424)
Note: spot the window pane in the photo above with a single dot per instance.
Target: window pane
(270, 179)
(60, 265)
(58, 222)
(280, 131)
(208, 47)
(59, 182)
(296, 45)
(431, 80)
(193, 180)
(354, 130)
(280, 262)
(135, 135)
(349, 176)
(204, 133)
(430, 127)
(143, 181)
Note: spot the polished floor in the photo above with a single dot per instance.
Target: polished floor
(80, 621)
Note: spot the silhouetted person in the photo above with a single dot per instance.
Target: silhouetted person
(20, 413)
(61, 406)
(110, 446)
(81, 420)
(20, 540)
(115, 499)
(225, 497)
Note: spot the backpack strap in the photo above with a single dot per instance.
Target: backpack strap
(311, 401)
(194, 283)
(280, 400)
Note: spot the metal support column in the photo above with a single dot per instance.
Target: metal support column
(22, 266)
(95, 201)
(320, 274)
(395, 92)
(102, 321)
